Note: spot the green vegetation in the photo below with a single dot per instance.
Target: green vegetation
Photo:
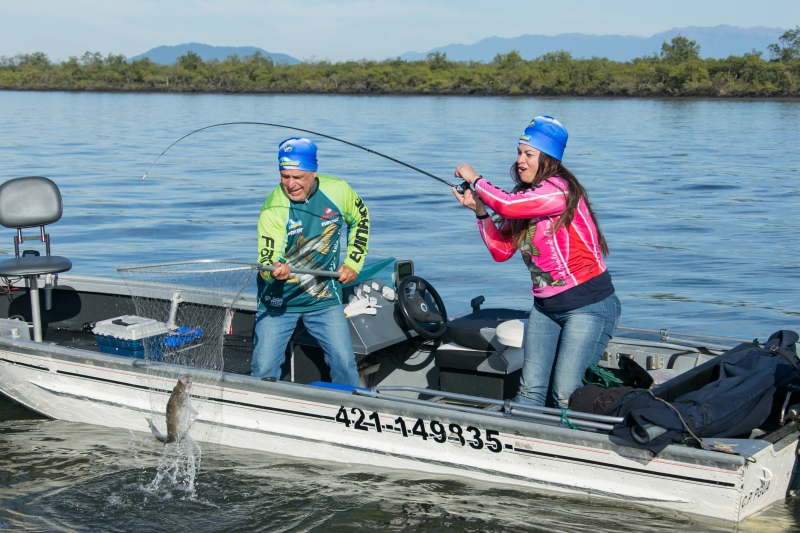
(677, 71)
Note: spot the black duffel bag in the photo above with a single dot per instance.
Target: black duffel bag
(594, 398)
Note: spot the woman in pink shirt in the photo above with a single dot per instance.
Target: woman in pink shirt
(548, 218)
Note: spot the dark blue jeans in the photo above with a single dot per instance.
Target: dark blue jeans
(328, 326)
(559, 347)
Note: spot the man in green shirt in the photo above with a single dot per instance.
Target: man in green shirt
(299, 226)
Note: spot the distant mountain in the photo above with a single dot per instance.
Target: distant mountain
(167, 55)
(717, 41)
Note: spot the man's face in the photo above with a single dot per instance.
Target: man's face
(297, 183)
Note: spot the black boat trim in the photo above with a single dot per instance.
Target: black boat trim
(216, 400)
(24, 364)
(274, 409)
(626, 468)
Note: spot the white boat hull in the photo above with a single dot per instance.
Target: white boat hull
(307, 422)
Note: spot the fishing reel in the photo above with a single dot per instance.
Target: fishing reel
(462, 187)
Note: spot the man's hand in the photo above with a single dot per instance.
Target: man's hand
(348, 275)
(281, 272)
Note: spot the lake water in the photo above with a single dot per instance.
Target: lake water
(698, 200)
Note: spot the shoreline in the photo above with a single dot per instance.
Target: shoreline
(678, 73)
(412, 94)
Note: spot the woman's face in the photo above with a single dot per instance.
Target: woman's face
(527, 162)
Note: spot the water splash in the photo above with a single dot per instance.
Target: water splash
(178, 465)
(133, 441)
(177, 471)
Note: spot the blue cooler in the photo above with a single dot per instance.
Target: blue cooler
(129, 336)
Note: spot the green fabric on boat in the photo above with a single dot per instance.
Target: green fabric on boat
(605, 377)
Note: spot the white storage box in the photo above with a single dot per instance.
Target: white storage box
(129, 335)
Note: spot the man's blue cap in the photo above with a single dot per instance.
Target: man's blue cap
(297, 153)
(547, 135)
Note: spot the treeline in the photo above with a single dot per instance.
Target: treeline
(676, 71)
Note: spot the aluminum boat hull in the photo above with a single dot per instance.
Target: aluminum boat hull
(307, 422)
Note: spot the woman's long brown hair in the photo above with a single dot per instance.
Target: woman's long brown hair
(549, 167)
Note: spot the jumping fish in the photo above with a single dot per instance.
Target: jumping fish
(180, 414)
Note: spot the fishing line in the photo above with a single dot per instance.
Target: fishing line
(412, 167)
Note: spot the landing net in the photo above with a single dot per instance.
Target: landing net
(183, 311)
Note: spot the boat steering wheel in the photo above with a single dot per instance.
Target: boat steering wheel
(416, 310)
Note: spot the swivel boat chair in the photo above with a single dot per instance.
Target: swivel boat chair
(27, 203)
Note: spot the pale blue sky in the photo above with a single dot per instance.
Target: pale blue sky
(349, 29)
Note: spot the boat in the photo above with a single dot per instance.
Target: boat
(435, 395)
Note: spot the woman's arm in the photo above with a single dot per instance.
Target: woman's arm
(546, 199)
(499, 244)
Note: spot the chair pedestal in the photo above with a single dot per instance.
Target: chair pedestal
(33, 288)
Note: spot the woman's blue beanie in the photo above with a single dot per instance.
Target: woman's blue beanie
(297, 153)
(547, 135)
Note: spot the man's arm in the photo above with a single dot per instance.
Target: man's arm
(271, 237)
(356, 216)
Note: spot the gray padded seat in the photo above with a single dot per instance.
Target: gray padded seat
(469, 363)
(477, 329)
(34, 265)
(29, 202)
(26, 203)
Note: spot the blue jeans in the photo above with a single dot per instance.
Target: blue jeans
(560, 346)
(328, 326)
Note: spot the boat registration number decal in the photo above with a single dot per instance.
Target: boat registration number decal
(475, 438)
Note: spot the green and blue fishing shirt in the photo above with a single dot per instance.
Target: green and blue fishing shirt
(306, 235)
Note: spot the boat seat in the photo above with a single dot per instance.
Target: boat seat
(25, 203)
(474, 362)
(511, 333)
(477, 330)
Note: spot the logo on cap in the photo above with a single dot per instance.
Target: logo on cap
(286, 162)
(524, 137)
(532, 123)
(287, 148)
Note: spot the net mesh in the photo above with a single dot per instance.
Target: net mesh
(191, 303)
(190, 309)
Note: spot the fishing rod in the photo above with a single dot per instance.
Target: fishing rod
(230, 266)
(460, 188)
(318, 273)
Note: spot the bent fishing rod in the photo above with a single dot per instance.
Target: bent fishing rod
(230, 266)
(460, 188)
